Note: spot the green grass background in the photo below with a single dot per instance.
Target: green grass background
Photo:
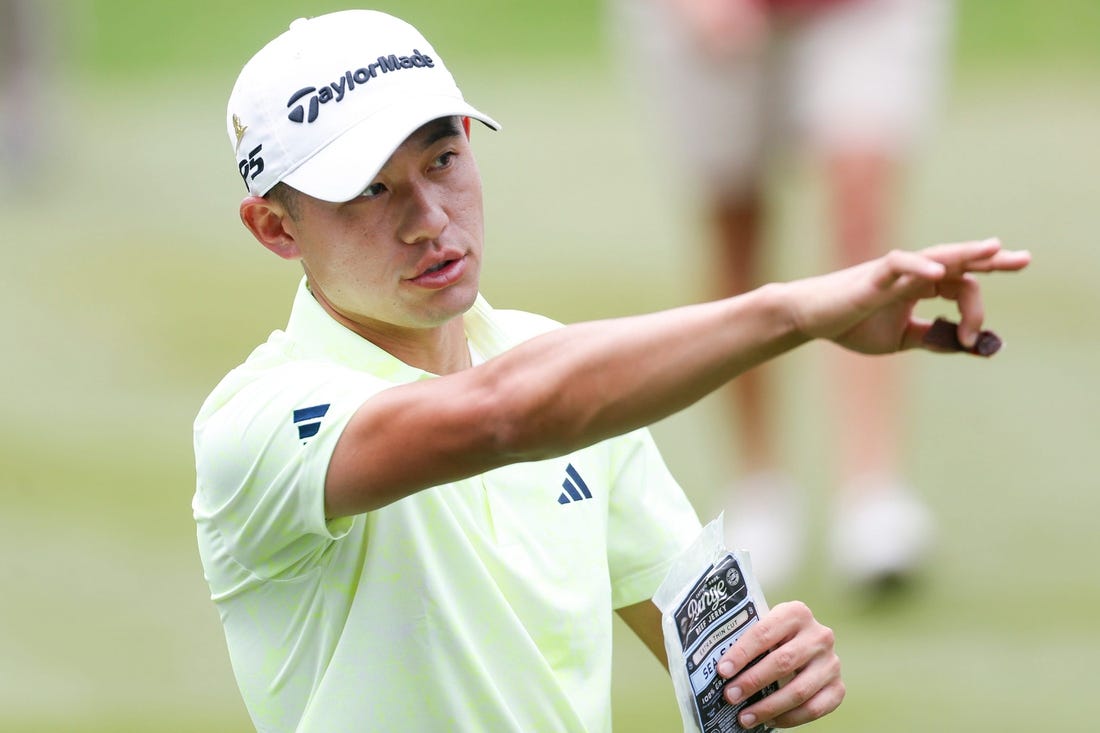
(129, 287)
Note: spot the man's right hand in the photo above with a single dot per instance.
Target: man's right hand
(868, 308)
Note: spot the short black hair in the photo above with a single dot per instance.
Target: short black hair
(287, 197)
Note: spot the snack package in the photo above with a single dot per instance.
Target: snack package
(707, 601)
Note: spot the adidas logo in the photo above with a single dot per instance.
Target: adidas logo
(308, 420)
(575, 487)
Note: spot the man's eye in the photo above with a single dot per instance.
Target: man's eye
(444, 160)
(375, 189)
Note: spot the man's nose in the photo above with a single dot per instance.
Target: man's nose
(423, 216)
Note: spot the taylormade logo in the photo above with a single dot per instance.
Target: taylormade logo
(337, 90)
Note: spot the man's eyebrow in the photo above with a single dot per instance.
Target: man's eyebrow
(440, 129)
(434, 131)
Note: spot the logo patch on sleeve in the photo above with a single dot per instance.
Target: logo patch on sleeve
(308, 420)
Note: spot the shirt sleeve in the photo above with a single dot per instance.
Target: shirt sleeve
(650, 519)
(261, 460)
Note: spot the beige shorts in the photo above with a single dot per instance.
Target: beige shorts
(862, 75)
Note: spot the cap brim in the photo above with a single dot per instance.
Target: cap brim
(342, 169)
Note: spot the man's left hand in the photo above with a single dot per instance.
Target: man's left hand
(796, 648)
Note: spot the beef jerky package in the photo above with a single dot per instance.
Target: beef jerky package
(707, 601)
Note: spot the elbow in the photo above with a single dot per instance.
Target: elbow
(526, 425)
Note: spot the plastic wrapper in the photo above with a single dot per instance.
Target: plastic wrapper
(709, 598)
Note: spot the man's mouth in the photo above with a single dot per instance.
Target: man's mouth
(441, 274)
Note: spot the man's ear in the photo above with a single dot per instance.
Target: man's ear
(268, 221)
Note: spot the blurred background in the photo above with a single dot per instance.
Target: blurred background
(130, 287)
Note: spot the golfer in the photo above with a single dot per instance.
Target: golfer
(416, 512)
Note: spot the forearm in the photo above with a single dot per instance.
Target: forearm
(644, 619)
(591, 381)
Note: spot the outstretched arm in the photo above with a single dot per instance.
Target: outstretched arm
(869, 308)
(581, 384)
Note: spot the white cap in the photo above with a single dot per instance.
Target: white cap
(323, 106)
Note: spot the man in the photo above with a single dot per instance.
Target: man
(738, 86)
(416, 512)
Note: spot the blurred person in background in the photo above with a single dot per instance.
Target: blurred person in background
(24, 50)
(734, 84)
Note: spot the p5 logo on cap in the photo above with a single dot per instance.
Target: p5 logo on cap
(253, 165)
(337, 90)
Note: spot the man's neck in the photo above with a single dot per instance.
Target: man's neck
(441, 350)
(438, 350)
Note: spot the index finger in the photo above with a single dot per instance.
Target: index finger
(986, 255)
(769, 632)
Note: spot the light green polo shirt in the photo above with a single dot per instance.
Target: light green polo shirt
(481, 605)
